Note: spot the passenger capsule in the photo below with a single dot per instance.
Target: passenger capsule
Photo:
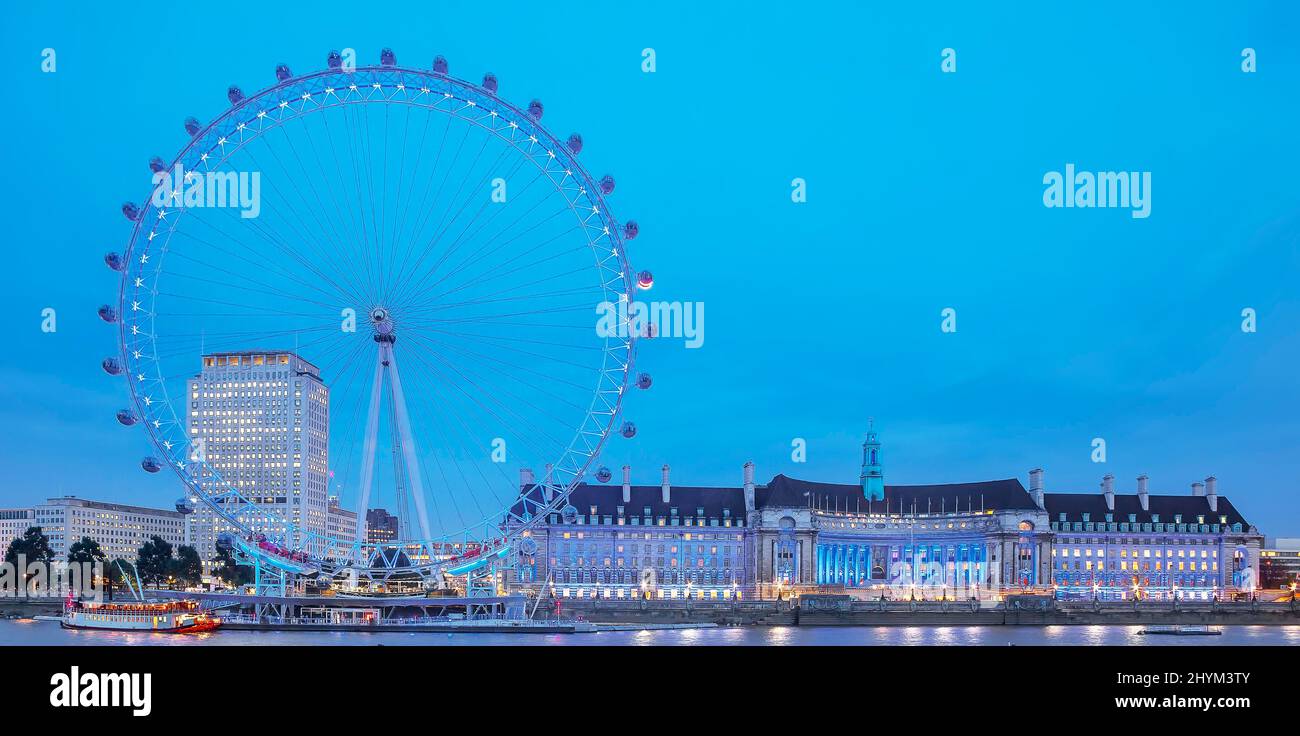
(603, 474)
(156, 164)
(607, 185)
(334, 60)
(575, 144)
(192, 126)
(108, 314)
(184, 505)
(387, 58)
(535, 109)
(114, 261)
(644, 381)
(235, 95)
(111, 366)
(131, 211)
(127, 418)
(630, 230)
(151, 465)
(645, 280)
(282, 73)
(628, 430)
(570, 514)
(490, 82)
(439, 64)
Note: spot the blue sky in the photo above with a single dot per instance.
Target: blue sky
(924, 192)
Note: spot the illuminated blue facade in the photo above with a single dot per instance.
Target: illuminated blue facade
(871, 540)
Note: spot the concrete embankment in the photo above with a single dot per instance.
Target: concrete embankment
(29, 608)
(927, 614)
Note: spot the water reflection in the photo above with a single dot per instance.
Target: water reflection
(47, 633)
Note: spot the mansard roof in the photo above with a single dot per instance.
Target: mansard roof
(686, 499)
(1075, 505)
(786, 492)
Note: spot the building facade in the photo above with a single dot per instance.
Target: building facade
(1110, 545)
(341, 525)
(13, 522)
(870, 539)
(381, 526)
(119, 529)
(260, 420)
(1279, 564)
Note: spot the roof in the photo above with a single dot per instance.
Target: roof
(1075, 505)
(686, 499)
(785, 491)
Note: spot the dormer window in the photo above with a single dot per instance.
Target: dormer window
(1155, 518)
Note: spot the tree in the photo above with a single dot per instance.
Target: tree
(113, 571)
(85, 550)
(35, 548)
(227, 571)
(154, 560)
(187, 568)
(33, 544)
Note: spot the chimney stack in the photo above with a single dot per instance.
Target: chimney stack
(1212, 492)
(749, 486)
(1108, 490)
(1198, 488)
(1036, 487)
(666, 487)
(627, 484)
(1143, 497)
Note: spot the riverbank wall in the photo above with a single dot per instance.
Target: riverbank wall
(773, 613)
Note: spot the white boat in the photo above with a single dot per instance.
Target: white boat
(175, 617)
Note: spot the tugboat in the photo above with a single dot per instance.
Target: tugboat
(172, 617)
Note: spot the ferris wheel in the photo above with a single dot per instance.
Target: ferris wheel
(378, 284)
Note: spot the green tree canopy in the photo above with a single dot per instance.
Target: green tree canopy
(188, 568)
(155, 561)
(33, 543)
(85, 550)
(227, 571)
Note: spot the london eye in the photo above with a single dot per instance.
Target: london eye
(400, 259)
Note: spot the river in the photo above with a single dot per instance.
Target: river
(34, 633)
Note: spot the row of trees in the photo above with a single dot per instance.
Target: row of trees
(157, 562)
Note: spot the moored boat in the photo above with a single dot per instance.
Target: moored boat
(173, 617)
(1181, 630)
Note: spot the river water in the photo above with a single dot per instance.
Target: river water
(32, 633)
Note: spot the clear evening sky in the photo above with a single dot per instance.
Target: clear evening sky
(924, 192)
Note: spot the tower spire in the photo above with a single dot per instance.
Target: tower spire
(873, 478)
